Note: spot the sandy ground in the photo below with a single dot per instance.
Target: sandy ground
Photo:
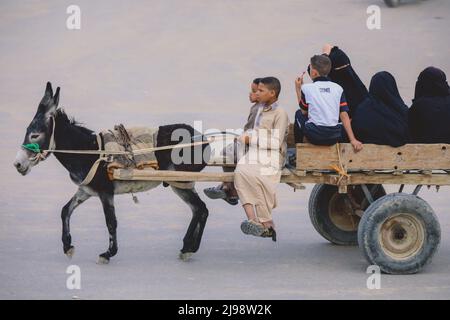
(159, 62)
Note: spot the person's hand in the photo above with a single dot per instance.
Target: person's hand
(299, 81)
(327, 49)
(357, 145)
(245, 139)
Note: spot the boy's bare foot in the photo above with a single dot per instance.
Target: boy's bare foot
(268, 224)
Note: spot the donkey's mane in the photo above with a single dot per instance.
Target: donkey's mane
(62, 115)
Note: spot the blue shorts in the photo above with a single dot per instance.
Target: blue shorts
(320, 135)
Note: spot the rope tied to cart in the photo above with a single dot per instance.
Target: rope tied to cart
(340, 169)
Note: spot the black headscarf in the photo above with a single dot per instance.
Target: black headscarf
(432, 82)
(354, 89)
(382, 118)
(429, 115)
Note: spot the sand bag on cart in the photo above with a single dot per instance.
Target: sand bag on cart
(134, 139)
(130, 139)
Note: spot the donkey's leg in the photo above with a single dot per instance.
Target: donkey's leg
(107, 200)
(79, 197)
(193, 237)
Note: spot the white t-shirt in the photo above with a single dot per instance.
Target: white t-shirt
(323, 100)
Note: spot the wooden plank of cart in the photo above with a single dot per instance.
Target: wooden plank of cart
(348, 205)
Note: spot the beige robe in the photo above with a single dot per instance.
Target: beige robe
(258, 173)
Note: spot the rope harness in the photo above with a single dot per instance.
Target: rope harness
(41, 155)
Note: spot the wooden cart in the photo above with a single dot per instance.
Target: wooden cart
(348, 205)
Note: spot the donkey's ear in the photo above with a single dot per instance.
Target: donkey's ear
(49, 90)
(52, 102)
(50, 111)
(56, 97)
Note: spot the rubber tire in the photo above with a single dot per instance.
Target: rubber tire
(320, 219)
(378, 212)
(392, 3)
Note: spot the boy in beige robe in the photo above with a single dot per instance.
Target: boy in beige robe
(258, 173)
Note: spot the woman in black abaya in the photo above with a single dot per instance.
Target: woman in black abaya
(382, 118)
(343, 74)
(429, 115)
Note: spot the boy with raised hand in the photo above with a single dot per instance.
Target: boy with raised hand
(322, 104)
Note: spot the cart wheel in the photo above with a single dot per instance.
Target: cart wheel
(336, 216)
(399, 233)
(392, 3)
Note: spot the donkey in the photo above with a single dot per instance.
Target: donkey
(51, 128)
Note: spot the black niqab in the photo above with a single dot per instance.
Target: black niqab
(432, 82)
(429, 115)
(354, 89)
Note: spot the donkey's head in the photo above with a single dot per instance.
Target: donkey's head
(39, 133)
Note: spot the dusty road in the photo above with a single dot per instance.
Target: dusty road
(159, 62)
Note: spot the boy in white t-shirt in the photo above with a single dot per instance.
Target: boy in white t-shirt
(322, 104)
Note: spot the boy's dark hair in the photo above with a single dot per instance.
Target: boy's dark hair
(322, 64)
(257, 80)
(272, 83)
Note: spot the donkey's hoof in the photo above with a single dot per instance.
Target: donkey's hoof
(185, 256)
(70, 252)
(102, 260)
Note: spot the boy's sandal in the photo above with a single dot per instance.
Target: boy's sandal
(232, 200)
(219, 193)
(269, 233)
(215, 193)
(252, 227)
